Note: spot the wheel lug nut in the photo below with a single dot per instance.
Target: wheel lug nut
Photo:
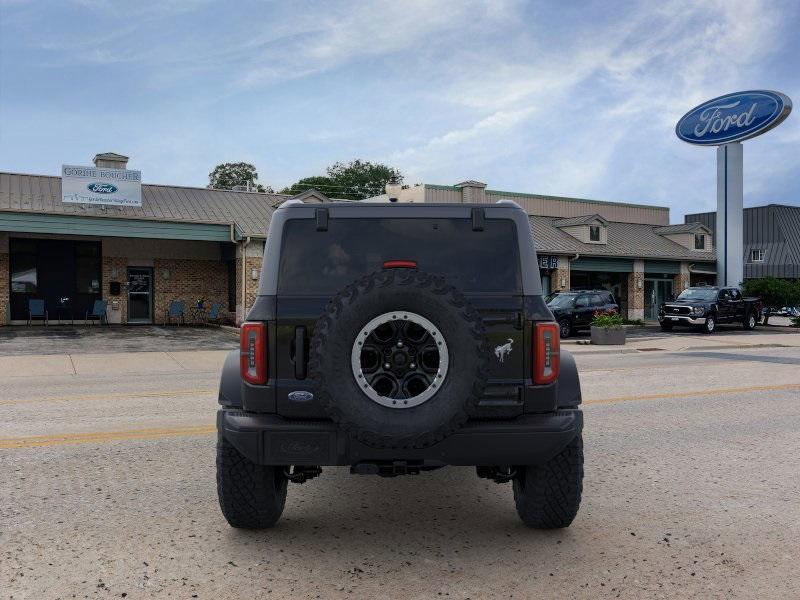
(413, 366)
(386, 365)
(400, 344)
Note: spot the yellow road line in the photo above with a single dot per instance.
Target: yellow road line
(37, 441)
(695, 393)
(114, 396)
(196, 430)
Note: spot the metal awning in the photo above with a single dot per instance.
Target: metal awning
(703, 268)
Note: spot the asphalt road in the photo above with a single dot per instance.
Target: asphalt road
(692, 489)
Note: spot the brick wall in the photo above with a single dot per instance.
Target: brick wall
(559, 275)
(4, 289)
(636, 291)
(110, 264)
(683, 280)
(188, 280)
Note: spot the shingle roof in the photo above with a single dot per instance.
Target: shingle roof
(682, 228)
(249, 211)
(632, 240)
(582, 220)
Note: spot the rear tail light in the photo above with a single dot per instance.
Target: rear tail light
(546, 352)
(400, 264)
(253, 353)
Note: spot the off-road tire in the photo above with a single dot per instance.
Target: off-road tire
(548, 496)
(750, 321)
(251, 496)
(710, 326)
(385, 291)
(666, 326)
(564, 329)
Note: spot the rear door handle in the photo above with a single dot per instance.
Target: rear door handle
(300, 352)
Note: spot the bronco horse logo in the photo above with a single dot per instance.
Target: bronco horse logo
(502, 351)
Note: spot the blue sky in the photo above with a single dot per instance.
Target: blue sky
(563, 98)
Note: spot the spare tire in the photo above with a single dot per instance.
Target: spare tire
(399, 358)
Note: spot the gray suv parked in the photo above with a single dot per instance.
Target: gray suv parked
(396, 339)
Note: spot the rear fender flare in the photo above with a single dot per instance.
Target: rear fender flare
(569, 384)
(230, 383)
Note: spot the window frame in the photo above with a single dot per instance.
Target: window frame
(701, 237)
(761, 255)
(596, 228)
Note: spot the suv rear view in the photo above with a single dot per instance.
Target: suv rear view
(396, 339)
(574, 310)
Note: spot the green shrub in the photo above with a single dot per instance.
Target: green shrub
(609, 319)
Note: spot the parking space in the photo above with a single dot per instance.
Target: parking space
(22, 341)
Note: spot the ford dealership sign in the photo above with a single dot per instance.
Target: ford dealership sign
(95, 185)
(102, 188)
(733, 117)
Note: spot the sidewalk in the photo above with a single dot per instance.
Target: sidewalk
(677, 341)
(111, 364)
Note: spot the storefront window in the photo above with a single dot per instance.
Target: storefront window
(87, 268)
(24, 276)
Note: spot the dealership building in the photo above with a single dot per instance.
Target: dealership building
(61, 244)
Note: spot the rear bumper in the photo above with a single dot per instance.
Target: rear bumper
(272, 440)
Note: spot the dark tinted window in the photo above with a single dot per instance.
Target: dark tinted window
(322, 262)
(582, 302)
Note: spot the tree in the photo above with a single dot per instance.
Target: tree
(355, 180)
(228, 175)
(318, 182)
(774, 292)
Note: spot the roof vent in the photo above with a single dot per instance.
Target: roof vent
(110, 160)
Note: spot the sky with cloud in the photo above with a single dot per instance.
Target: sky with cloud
(565, 98)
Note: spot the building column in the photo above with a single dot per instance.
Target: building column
(116, 269)
(636, 291)
(5, 295)
(682, 280)
(249, 258)
(560, 277)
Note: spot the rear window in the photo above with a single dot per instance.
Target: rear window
(323, 262)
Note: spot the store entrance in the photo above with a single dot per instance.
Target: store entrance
(656, 291)
(140, 295)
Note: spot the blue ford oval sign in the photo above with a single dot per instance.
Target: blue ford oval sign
(733, 117)
(101, 188)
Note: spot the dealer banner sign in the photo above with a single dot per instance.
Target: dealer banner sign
(733, 117)
(93, 185)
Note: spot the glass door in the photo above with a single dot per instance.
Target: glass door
(656, 291)
(140, 295)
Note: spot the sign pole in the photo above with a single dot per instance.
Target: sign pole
(730, 204)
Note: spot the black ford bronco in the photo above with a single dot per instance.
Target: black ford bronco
(395, 339)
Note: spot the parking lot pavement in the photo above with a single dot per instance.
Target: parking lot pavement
(692, 491)
(95, 339)
(649, 339)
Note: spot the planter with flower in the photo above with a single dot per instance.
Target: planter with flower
(607, 328)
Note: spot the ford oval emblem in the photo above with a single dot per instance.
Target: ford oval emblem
(301, 396)
(101, 188)
(733, 117)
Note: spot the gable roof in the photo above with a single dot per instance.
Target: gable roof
(582, 220)
(249, 211)
(631, 240)
(682, 228)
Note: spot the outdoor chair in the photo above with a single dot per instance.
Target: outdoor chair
(214, 315)
(99, 312)
(37, 310)
(177, 311)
